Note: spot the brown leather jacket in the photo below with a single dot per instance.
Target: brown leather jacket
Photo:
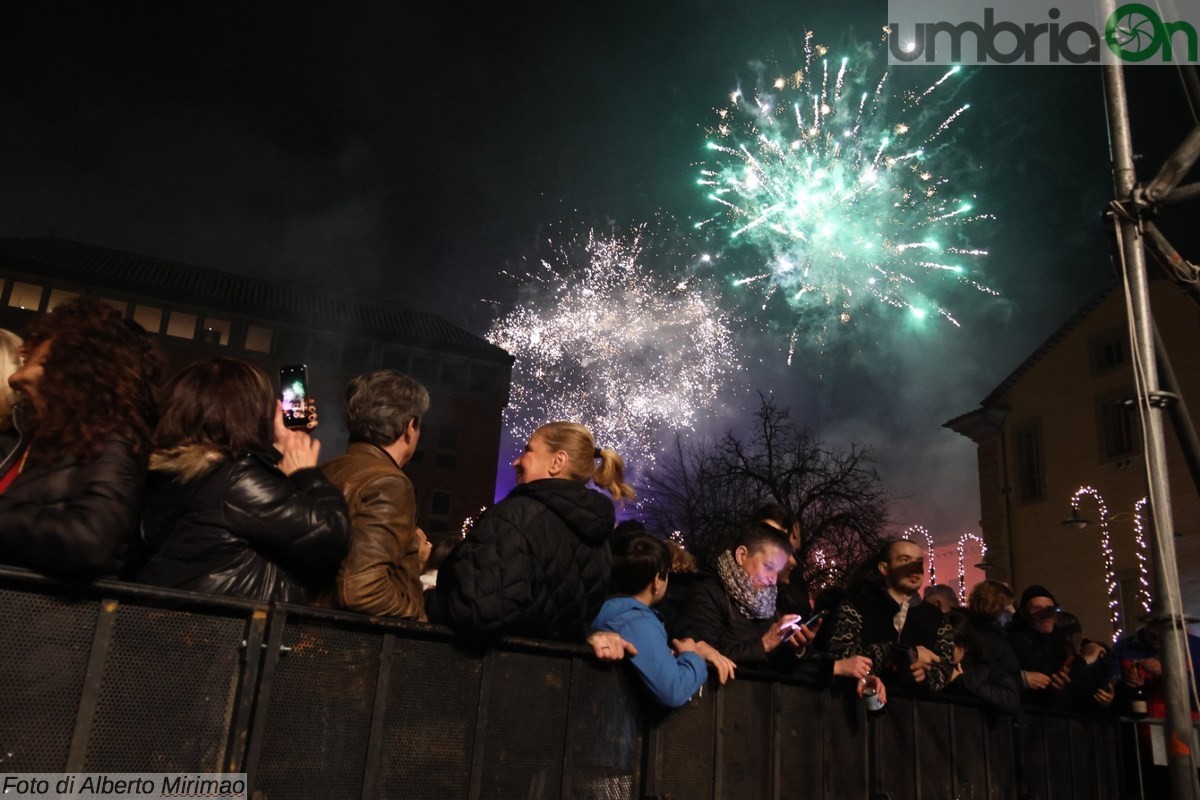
(382, 572)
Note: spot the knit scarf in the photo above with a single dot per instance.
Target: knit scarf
(752, 602)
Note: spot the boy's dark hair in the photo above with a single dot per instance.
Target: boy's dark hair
(637, 560)
(759, 535)
(774, 512)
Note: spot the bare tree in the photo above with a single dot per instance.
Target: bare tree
(706, 490)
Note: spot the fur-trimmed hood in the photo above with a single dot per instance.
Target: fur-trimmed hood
(187, 461)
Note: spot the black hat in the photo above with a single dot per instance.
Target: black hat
(1037, 590)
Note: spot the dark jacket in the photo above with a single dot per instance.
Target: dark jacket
(990, 668)
(710, 616)
(1046, 653)
(864, 626)
(535, 564)
(70, 519)
(381, 574)
(240, 527)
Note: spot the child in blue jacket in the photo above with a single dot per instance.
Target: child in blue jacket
(672, 672)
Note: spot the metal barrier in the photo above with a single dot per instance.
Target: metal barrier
(320, 704)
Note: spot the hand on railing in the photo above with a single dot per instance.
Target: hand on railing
(609, 646)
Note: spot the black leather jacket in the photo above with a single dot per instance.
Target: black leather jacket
(70, 519)
(241, 528)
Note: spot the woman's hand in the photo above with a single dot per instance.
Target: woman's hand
(782, 629)
(299, 450)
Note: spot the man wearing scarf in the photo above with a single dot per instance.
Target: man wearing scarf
(884, 620)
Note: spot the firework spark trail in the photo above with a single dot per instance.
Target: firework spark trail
(612, 345)
(841, 195)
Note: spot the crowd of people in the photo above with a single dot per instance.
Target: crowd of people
(197, 484)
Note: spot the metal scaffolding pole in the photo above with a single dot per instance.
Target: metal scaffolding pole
(1130, 204)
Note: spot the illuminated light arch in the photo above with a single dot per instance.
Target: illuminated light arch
(1143, 555)
(962, 566)
(1110, 577)
(921, 529)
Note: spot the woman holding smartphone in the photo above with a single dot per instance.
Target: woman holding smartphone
(234, 503)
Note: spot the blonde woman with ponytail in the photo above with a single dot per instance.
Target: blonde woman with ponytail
(537, 563)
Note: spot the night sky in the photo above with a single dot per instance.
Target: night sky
(417, 149)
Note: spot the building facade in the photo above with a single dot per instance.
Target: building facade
(198, 313)
(1063, 426)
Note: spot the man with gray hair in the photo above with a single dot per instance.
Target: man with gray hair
(381, 574)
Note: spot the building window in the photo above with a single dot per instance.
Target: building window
(440, 504)
(112, 302)
(258, 339)
(182, 324)
(482, 378)
(58, 297)
(1108, 350)
(149, 317)
(215, 331)
(1031, 482)
(26, 295)
(1119, 431)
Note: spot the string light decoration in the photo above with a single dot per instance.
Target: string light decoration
(962, 565)
(908, 532)
(469, 522)
(1110, 578)
(1143, 556)
(678, 538)
(829, 567)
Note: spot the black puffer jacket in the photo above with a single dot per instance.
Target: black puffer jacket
(70, 519)
(240, 527)
(536, 564)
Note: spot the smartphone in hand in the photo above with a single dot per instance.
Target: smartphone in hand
(293, 393)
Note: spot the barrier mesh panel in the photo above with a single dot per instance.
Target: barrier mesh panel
(802, 751)
(846, 743)
(970, 753)
(1059, 766)
(167, 692)
(429, 729)
(603, 739)
(44, 648)
(934, 738)
(747, 751)
(1108, 767)
(1083, 759)
(685, 741)
(319, 720)
(1002, 779)
(1032, 755)
(526, 726)
(897, 759)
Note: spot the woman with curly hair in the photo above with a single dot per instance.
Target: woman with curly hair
(537, 563)
(70, 490)
(235, 504)
(10, 361)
